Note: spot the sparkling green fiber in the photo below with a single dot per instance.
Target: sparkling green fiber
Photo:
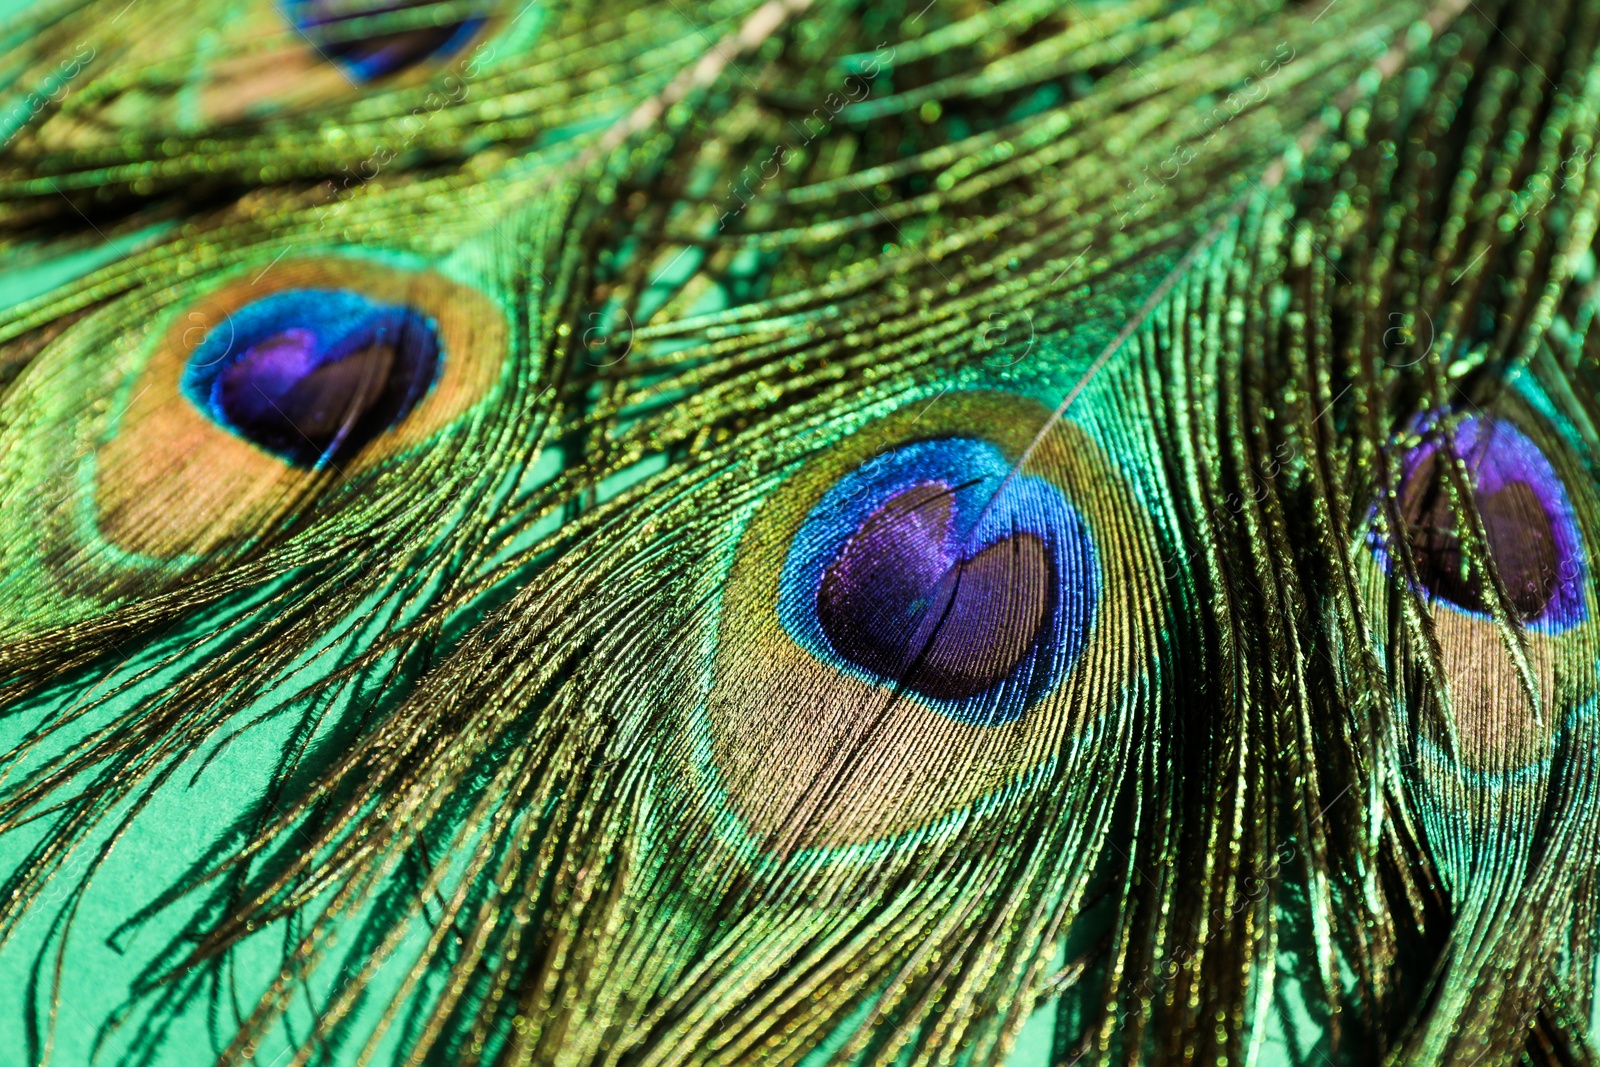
(799, 532)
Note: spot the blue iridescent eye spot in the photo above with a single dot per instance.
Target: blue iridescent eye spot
(1528, 522)
(334, 27)
(936, 570)
(312, 375)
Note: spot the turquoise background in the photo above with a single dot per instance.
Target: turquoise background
(184, 821)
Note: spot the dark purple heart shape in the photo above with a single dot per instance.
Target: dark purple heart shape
(1519, 530)
(905, 600)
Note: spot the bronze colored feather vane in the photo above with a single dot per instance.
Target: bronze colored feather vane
(799, 532)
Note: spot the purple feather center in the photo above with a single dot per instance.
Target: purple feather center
(903, 598)
(1527, 521)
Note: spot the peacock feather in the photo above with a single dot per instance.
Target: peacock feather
(800, 532)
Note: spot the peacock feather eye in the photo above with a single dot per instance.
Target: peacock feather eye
(1502, 694)
(928, 613)
(1528, 523)
(312, 375)
(374, 40)
(316, 366)
(930, 569)
(853, 533)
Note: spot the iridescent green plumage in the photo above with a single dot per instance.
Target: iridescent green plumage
(535, 745)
